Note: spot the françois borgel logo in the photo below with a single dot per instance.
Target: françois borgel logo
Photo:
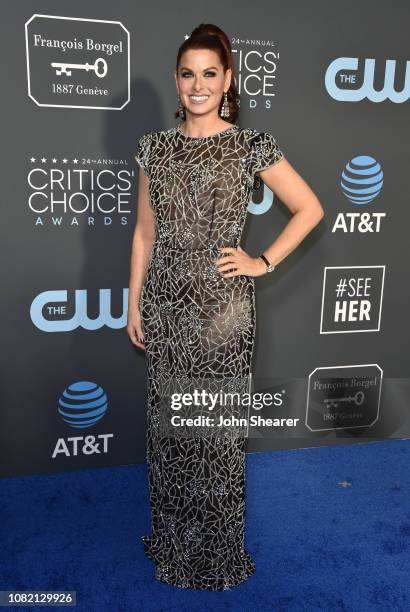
(77, 63)
(344, 397)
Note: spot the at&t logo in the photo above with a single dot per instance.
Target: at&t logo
(81, 405)
(361, 183)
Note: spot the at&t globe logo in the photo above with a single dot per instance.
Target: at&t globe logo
(81, 405)
(362, 179)
(361, 183)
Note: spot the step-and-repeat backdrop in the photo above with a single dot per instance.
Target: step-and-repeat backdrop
(81, 83)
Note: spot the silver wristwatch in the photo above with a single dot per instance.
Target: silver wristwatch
(269, 267)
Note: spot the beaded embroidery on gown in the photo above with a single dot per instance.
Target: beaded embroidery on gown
(196, 322)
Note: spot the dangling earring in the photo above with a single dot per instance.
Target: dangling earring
(225, 106)
(181, 109)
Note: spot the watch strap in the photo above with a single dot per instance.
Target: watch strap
(269, 267)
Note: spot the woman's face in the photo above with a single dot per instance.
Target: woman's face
(201, 81)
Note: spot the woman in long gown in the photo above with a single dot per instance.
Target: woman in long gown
(196, 312)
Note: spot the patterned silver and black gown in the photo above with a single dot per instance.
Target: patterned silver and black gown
(197, 323)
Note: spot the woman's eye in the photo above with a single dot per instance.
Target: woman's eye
(187, 74)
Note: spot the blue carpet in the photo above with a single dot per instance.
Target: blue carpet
(329, 529)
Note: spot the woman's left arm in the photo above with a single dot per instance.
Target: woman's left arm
(299, 198)
(306, 211)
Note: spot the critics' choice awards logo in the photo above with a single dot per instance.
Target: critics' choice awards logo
(75, 191)
(256, 65)
(343, 397)
(351, 299)
(347, 81)
(361, 183)
(53, 311)
(82, 405)
(77, 63)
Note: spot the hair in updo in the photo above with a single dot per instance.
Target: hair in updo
(209, 36)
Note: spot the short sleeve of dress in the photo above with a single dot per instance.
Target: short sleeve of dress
(264, 152)
(143, 152)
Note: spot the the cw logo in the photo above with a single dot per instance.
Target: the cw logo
(56, 305)
(355, 93)
(263, 206)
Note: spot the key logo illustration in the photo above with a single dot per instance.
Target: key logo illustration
(62, 68)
